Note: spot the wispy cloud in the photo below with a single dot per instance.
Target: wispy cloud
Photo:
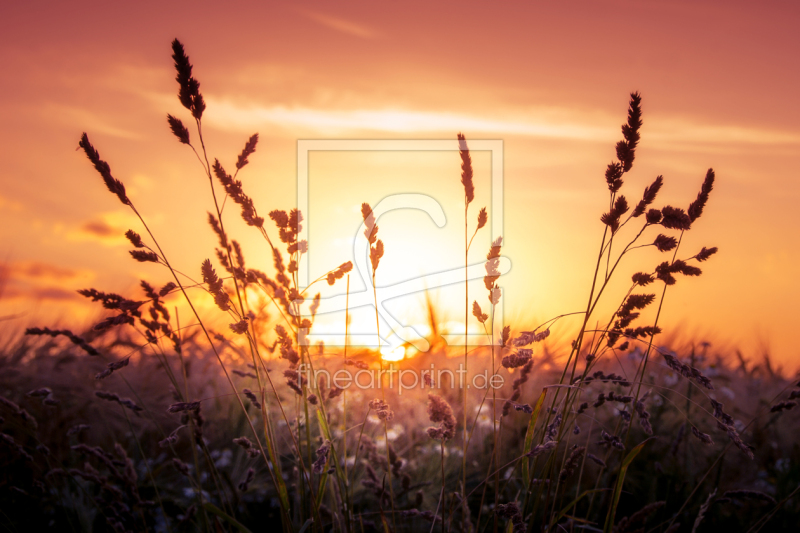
(28, 293)
(685, 131)
(107, 228)
(664, 132)
(98, 228)
(79, 118)
(38, 270)
(36, 280)
(339, 24)
(228, 115)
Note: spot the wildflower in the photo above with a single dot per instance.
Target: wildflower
(466, 170)
(240, 327)
(178, 129)
(492, 264)
(248, 477)
(322, 457)
(478, 313)
(571, 463)
(518, 359)
(541, 448)
(653, 216)
(630, 132)
(612, 218)
(382, 409)
(696, 207)
(664, 243)
(512, 512)
(74, 430)
(180, 466)
(294, 386)
(610, 440)
(183, 406)
(361, 365)
(252, 397)
(552, 429)
(525, 408)
(114, 185)
(215, 286)
(168, 441)
(285, 342)
(648, 197)
(249, 149)
(113, 397)
(782, 406)
(596, 459)
(143, 256)
(705, 253)
(189, 93)
(339, 272)
(135, 239)
(529, 337)
(247, 446)
(371, 231)
(233, 188)
(644, 415)
(112, 367)
(439, 411)
(704, 437)
(675, 218)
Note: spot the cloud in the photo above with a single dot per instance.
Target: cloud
(663, 132)
(339, 24)
(82, 119)
(107, 228)
(27, 292)
(34, 280)
(11, 205)
(99, 228)
(228, 115)
(53, 293)
(685, 131)
(35, 270)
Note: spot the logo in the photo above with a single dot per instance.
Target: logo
(394, 332)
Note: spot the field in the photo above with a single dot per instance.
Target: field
(148, 423)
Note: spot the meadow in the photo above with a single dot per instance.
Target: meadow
(145, 422)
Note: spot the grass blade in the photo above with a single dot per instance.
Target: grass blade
(530, 432)
(618, 487)
(572, 504)
(213, 509)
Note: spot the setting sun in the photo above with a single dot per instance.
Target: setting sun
(378, 267)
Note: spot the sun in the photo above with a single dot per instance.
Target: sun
(389, 353)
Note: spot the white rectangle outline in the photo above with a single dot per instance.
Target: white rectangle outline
(304, 146)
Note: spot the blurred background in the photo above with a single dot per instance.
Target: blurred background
(719, 82)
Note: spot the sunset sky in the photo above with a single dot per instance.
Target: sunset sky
(720, 84)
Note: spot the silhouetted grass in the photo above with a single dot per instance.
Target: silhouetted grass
(144, 423)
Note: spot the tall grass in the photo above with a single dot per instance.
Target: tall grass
(186, 428)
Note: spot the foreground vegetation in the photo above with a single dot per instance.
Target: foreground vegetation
(185, 428)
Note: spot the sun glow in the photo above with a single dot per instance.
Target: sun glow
(389, 353)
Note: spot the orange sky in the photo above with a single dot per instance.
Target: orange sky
(719, 81)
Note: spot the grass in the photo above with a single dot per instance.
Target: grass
(188, 429)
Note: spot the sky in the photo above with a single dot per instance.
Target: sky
(719, 82)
